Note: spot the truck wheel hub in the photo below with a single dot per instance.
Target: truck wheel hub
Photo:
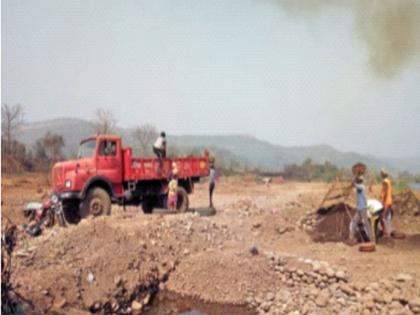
(96, 207)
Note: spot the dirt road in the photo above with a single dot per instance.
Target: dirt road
(251, 253)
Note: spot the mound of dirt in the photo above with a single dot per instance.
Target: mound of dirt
(211, 276)
(406, 203)
(329, 224)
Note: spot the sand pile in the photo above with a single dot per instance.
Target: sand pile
(406, 203)
(329, 224)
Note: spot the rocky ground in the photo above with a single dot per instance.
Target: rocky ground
(253, 253)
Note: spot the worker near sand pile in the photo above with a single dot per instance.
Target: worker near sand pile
(360, 218)
(386, 199)
(159, 147)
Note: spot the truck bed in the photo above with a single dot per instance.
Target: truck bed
(149, 168)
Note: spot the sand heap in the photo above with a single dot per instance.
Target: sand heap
(329, 224)
(406, 203)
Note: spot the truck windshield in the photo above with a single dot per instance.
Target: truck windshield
(87, 149)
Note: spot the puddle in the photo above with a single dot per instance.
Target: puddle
(168, 303)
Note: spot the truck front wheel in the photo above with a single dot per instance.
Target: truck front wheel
(97, 202)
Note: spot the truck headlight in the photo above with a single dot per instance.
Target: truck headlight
(68, 183)
(54, 198)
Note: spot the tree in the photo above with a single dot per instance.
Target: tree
(11, 121)
(50, 146)
(104, 122)
(143, 136)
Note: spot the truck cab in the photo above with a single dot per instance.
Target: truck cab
(99, 159)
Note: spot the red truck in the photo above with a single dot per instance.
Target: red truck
(105, 172)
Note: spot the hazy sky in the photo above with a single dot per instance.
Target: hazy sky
(209, 67)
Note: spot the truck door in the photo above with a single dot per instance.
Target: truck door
(86, 163)
(108, 162)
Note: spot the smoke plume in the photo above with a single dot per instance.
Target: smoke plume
(390, 29)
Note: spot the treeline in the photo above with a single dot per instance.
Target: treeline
(310, 171)
(16, 156)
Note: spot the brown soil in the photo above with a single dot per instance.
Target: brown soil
(116, 263)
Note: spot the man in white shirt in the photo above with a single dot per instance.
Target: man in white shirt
(159, 148)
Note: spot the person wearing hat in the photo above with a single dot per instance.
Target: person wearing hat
(386, 199)
(159, 148)
(360, 218)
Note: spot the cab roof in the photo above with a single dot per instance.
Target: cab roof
(101, 136)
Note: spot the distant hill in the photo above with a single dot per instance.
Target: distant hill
(248, 150)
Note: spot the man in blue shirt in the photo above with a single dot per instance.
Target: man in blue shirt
(360, 220)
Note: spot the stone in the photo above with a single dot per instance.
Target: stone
(316, 266)
(249, 300)
(270, 296)
(283, 296)
(117, 280)
(60, 302)
(329, 272)
(341, 275)
(374, 286)
(266, 306)
(402, 277)
(396, 295)
(146, 299)
(346, 288)
(270, 255)
(308, 308)
(90, 278)
(341, 301)
(395, 305)
(254, 250)
(136, 306)
(415, 302)
(321, 300)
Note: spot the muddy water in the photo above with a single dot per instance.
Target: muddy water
(167, 303)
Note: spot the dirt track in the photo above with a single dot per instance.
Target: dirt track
(116, 264)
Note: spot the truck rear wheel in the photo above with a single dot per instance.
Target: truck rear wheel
(149, 204)
(97, 202)
(182, 202)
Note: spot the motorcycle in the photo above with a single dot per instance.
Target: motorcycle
(45, 213)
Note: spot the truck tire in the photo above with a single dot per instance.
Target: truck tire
(71, 212)
(97, 202)
(148, 204)
(182, 200)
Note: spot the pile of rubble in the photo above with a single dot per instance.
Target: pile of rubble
(406, 203)
(315, 287)
(329, 224)
(245, 208)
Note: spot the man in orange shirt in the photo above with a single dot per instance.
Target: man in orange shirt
(386, 199)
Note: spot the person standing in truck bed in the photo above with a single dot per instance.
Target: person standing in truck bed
(159, 148)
